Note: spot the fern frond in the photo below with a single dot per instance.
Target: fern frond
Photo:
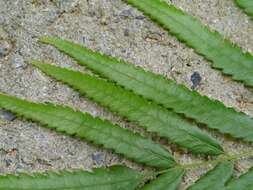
(221, 52)
(220, 178)
(247, 6)
(244, 182)
(214, 179)
(113, 178)
(95, 130)
(137, 109)
(167, 181)
(160, 90)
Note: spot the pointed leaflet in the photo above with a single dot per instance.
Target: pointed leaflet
(116, 178)
(247, 6)
(94, 130)
(168, 181)
(135, 108)
(244, 182)
(165, 92)
(222, 53)
(215, 179)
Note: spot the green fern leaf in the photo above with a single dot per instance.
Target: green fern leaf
(135, 108)
(222, 53)
(168, 181)
(95, 130)
(214, 179)
(244, 182)
(165, 92)
(114, 178)
(247, 6)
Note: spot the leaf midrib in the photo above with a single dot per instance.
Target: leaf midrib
(80, 125)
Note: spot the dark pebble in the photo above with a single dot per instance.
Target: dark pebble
(126, 13)
(97, 158)
(126, 32)
(196, 79)
(140, 17)
(8, 162)
(4, 48)
(7, 115)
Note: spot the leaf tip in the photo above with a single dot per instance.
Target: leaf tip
(45, 39)
(35, 63)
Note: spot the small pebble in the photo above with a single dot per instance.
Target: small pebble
(126, 32)
(126, 13)
(196, 79)
(140, 17)
(7, 115)
(97, 158)
(19, 62)
(8, 162)
(153, 36)
(108, 52)
(5, 48)
(104, 21)
(3, 34)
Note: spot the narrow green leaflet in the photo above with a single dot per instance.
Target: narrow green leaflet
(114, 178)
(244, 182)
(135, 108)
(222, 53)
(246, 5)
(162, 91)
(95, 130)
(214, 179)
(168, 181)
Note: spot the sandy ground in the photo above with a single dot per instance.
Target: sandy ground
(116, 29)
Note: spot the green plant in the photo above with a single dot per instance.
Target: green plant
(247, 6)
(167, 181)
(95, 130)
(151, 101)
(147, 114)
(221, 52)
(116, 177)
(216, 178)
(158, 89)
(142, 150)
